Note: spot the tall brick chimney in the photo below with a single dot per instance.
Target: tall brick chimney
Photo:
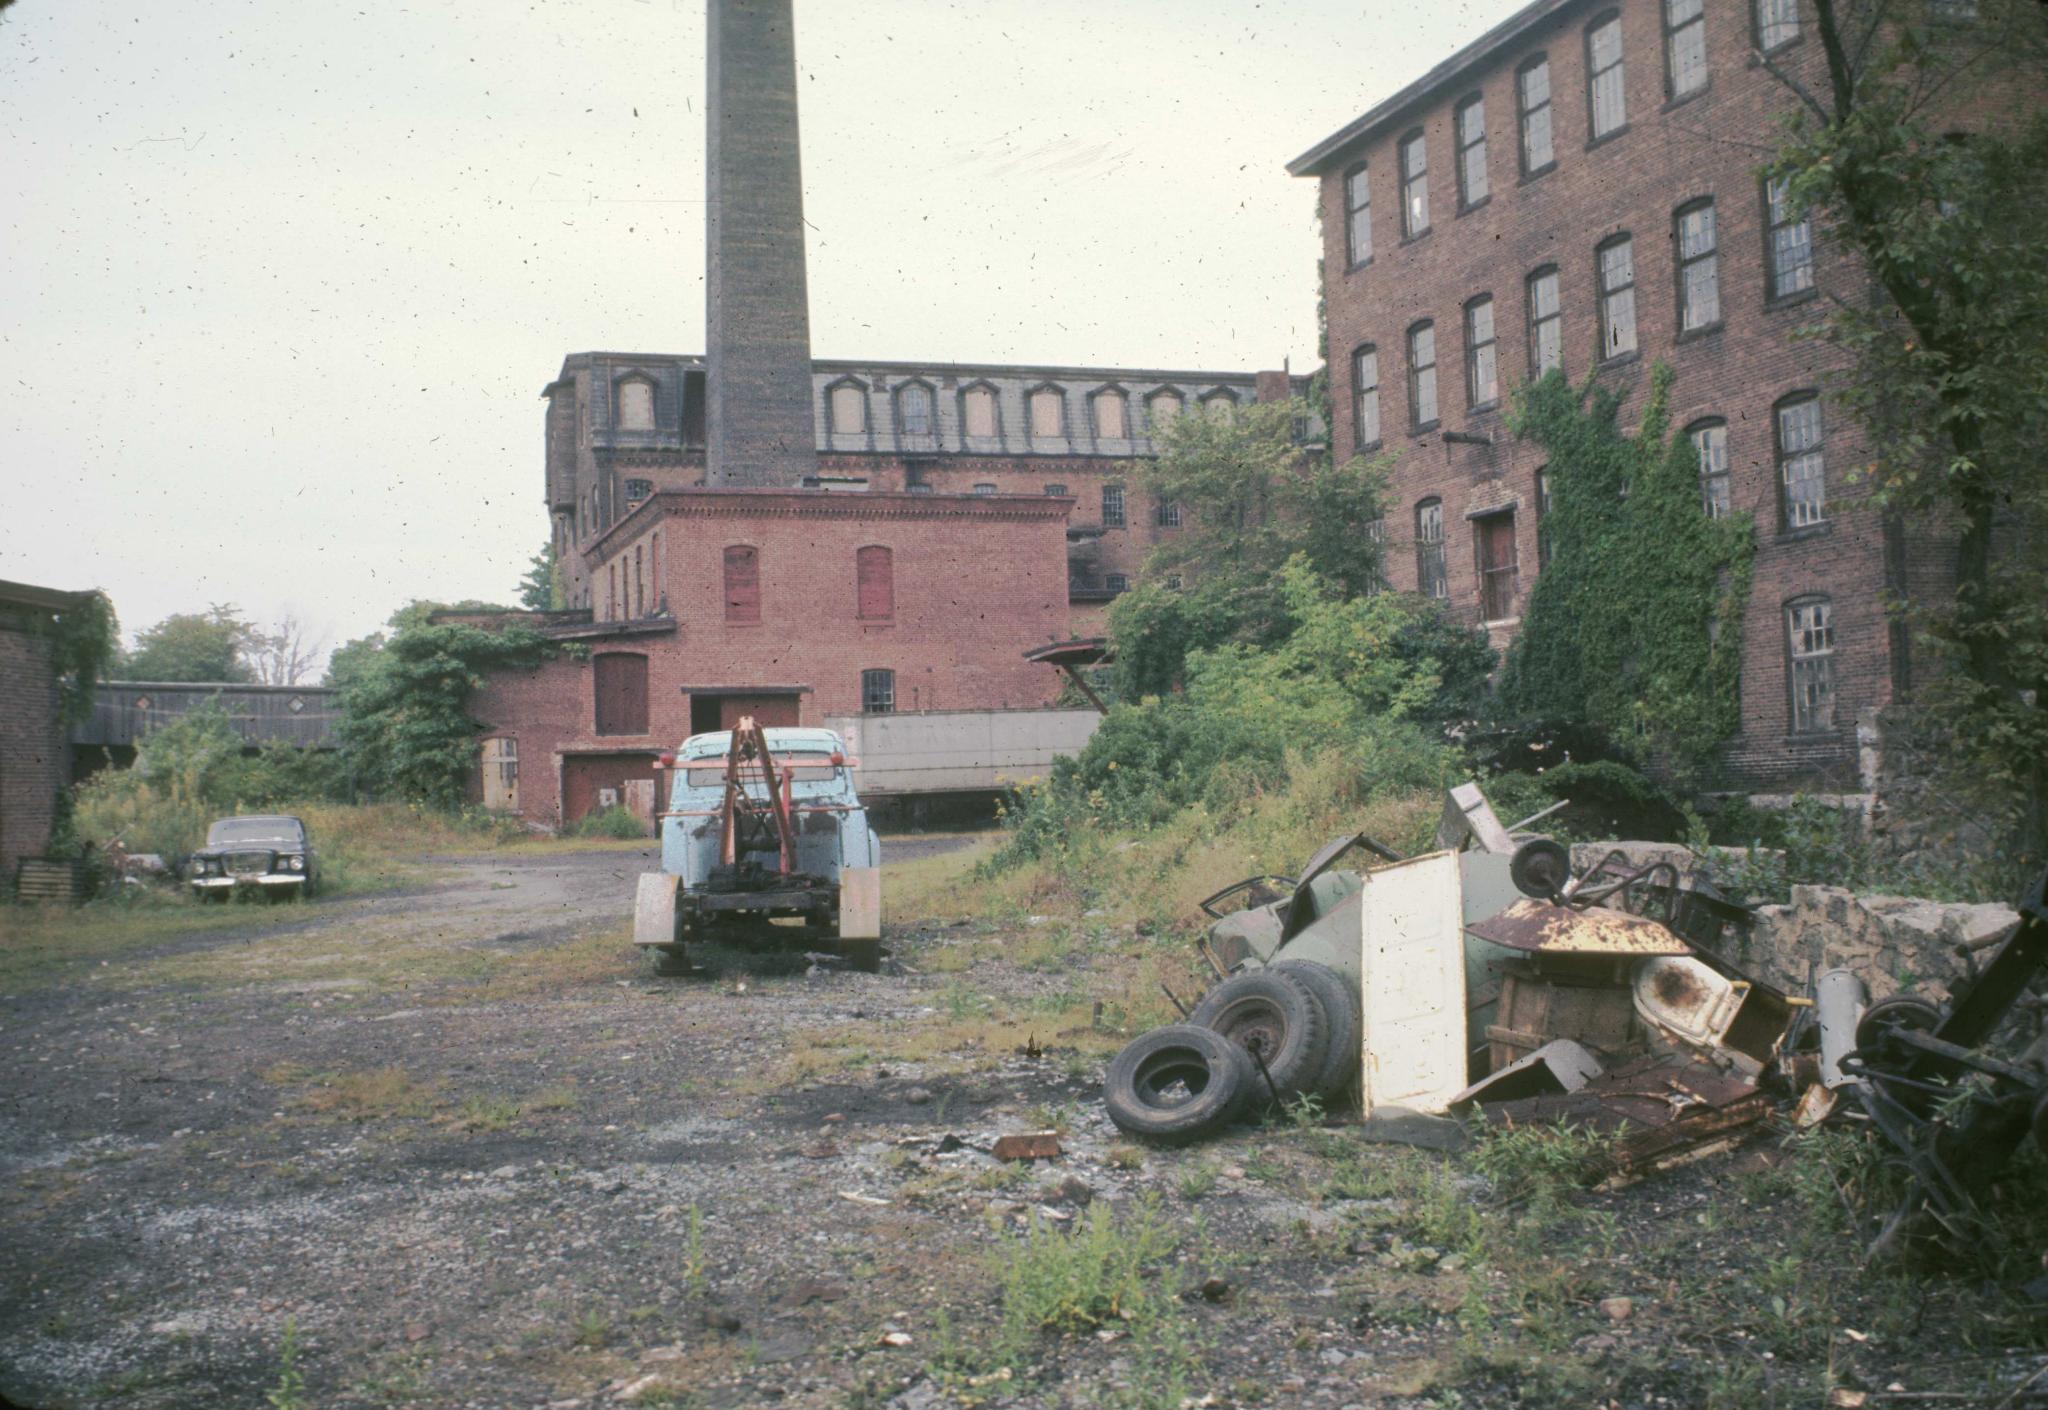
(758, 424)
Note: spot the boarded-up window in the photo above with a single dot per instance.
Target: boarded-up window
(501, 774)
(875, 583)
(1048, 420)
(621, 682)
(742, 584)
(1162, 408)
(849, 410)
(636, 405)
(1109, 416)
(1497, 566)
(980, 406)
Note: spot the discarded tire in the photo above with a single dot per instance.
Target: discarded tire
(1347, 1029)
(1277, 1018)
(1178, 1083)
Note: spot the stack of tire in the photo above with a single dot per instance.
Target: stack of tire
(1267, 1036)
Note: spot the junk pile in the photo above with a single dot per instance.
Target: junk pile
(1488, 981)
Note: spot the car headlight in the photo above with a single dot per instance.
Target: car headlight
(295, 863)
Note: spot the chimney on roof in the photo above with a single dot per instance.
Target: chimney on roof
(758, 426)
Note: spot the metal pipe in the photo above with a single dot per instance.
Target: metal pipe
(1839, 999)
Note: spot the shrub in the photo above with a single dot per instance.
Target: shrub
(614, 821)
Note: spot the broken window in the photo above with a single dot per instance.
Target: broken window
(1802, 475)
(1617, 297)
(1685, 46)
(978, 406)
(1430, 580)
(1605, 98)
(1482, 363)
(742, 584)
(849, 410)
(1414, 185)
(1788, 243)
(1048, 414)
(620, 681)
(1472, 150)
(1710, 441)
(1699, 271)
(1546, 323)
(1810, 624)
(875, 583)
(1422, 375)
(1498, 566)
(1365, 397)
(636, 404)
(914, 410)
(878, 692)
(1358, 215)
(1111, 421)
(1777, 22)
(1112, 506)
(1532, 90)
(501, 774)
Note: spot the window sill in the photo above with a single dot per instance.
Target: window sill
(1469, 207)
(1694, 335)
(1368, 448)
(1604, 138)
(1538, 174)
(1425, 427)
(1514, 621)
(1757, 56)
(1608, 364)
(1682, 99)
(1792, 300)
(1809, 531)
(1416, 238)
(876, 621)
(1361, 264)
(1832, 734)
(1483, 408)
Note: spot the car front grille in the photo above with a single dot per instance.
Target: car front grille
(248, 863)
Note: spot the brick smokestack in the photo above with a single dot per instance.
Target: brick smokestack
(758, 423)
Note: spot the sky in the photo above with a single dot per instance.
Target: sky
(283, 281)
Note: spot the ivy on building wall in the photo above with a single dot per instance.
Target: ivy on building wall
(84, 639)
(1635, 624)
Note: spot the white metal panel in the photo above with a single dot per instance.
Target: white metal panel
(938, 751)
(1413, 962)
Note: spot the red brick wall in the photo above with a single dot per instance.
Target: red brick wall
(1705, 146)
(34, 761)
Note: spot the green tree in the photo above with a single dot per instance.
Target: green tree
(1950, 361)
(192, 646)
(1250, 500)
(541, 589)
(1635, 624)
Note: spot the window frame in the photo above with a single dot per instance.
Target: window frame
(1122, 518)
(1431, 565)
(1782, 459)
(1416, 422)
(604, 664)
(1411, 178)
(1463, 149)
(1359, 393)
(1608, 295)
(619, 386)
(1031, 398)
(1477, 348)
(1166, 514)
(1152, 400)
(1760, 35)
(1794, 657)
(1683, 264)
(735, 613)
(1524, 111)
(1357, 216)
(1541, 495)
(1508, 597)
(1672, 32)
(1096, 399)
(1118, 583)
(931, 408)
(1536, 320)
(877, 682)
(995, 412)
(1594, 133)
(885, 603)
(1773, 269)
(860, 392)
(1713, 477)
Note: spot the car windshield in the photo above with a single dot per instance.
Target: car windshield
(229, 830)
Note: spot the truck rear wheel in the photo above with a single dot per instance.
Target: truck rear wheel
(672, 962)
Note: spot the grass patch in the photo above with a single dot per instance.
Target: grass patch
(368, 1094)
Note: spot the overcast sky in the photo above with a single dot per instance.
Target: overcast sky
(284, 280)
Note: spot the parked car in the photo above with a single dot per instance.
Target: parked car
(270, 854)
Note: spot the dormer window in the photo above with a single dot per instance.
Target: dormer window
(849, 409)
(636, 404)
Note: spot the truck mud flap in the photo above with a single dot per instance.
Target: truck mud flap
(860, 903)
(654, 909)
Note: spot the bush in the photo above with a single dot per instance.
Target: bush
(621, 823)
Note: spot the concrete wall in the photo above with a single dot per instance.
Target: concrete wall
(949, 751)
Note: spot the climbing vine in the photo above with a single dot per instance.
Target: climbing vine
(1635, 625)
(83, 640)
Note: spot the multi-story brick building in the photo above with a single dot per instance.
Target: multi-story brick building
(1580, 189)
(35, 755)
(624, 426)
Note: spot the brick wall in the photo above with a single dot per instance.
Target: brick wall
(34, 758)
(1706, 146)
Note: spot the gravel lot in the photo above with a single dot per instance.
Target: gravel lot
(473, 1154)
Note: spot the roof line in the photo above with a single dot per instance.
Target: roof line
(1155, 374)
(1312, 162)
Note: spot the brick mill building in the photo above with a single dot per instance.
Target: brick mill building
(1580, 189)
(35, 753)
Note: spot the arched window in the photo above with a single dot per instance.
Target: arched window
(1414, 185)
(1161, 408)
(1710, 441)
(875, 583)
(1219, 405)
(1365, 396)
(1048, 406)
(1429, 549)
(1802, 472)
(1112, 418)
(1810, 649)
(914, 409)
(1699, 267)
(849, 409)
(1358, 215)
(1606, 99)
(620, 681)
(978, 411)
(1422, 375)
(742, 583)
(636, 404)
